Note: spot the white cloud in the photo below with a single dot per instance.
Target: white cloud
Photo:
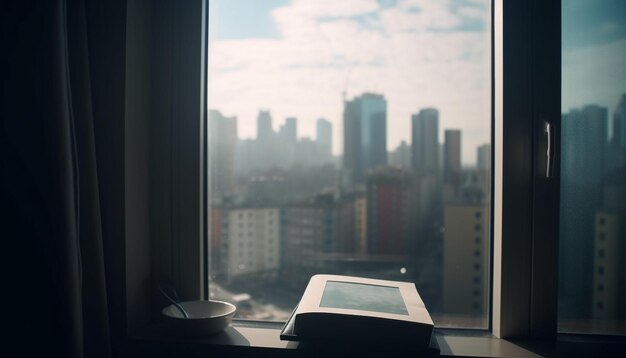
(327, 8)
(395, 52)
(421, 15)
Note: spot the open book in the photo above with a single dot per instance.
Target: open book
(337, 307)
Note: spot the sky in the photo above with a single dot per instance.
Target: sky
(593, 53)
(297, 57)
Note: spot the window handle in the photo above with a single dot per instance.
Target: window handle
(549, 132)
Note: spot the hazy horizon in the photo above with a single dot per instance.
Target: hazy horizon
(296, 58)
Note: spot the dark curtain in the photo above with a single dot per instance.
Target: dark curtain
(61, 136)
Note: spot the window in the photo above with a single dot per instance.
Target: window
(364, 127)
(514, 258)
(593, 169)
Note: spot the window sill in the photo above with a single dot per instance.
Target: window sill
(263, 339)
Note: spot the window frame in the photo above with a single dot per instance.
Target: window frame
(523, 266)
(149, 251)
(524, 207)
(526, 212)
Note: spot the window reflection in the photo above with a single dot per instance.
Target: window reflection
(592, 259)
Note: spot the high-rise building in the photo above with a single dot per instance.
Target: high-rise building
(245, 158)
(286, 146)
(465, 261)
(619, 123)
(265, 141)
(306, 152)
(472, 186)
(290, 129)
(583, 150)
(609, 250)
(222, 144)
(253, 242)
(452, 156)
(607, 265)
(401, 156)
(324, 138)
(217, 240)
(483, 157)
(391, 206)
(425, 141)
(326, 226)
(350, 217)
(618, 140)
(365, 135)
(264, 130)
(308, 230)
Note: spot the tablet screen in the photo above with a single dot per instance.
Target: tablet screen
(358, 296)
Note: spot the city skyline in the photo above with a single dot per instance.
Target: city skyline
(291, 125)
(406, 83)
(408, 217)
(466, 158)
(301, 56)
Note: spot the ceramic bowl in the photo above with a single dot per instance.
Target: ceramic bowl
(205, 317)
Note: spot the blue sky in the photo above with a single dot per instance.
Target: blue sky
(252, 18)
(242, 19)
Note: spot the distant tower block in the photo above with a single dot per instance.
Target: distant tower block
(425, 140)
(365, 135)
(324, 137)
(452, 155)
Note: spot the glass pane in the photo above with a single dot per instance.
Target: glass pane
(592, 262)
(350, 137)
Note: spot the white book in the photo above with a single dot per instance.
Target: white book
(335, 307)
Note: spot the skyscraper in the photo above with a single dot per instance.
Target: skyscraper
(288, 137)
(245, 158)
(365, 135)
(609, 248)
(465, 260)
(583, 149)
(483, 157)
(222, 144)
(452, 156)
(265, 154)
(607, 266)
(425, 140)
(391, 205)
(618, 141)
(324, 137)
(264, 129)
(619, 123)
